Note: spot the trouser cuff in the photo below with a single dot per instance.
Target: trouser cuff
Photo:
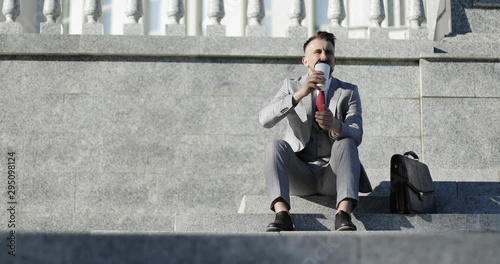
(280, 199)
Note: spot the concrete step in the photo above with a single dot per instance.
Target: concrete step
(486, 4)
(471, 45)
(482, 20)
(450, 188)
(248, 223)
(291, 247)
(373, 204)
(477, 38)
(480, 17)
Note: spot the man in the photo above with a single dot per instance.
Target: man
(319, 153)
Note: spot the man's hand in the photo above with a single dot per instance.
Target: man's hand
(326, 120)
(310, 85)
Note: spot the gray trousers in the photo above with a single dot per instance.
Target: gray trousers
(287, 175)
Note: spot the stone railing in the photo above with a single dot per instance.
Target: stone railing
(216, 12)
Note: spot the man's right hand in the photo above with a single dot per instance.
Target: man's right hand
(310, 85)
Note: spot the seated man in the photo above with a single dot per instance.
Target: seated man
(319, 153)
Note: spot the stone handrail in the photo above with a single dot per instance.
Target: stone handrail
(215, 12)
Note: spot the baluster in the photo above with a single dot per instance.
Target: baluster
(215, 13)
(415, 18)
(297, 12)
(336, 14)
(133, 12)
(175, 11)
(296, 15)
(51, 10)
(416, 13)
(377, 15)
(92, 11)
(11, 9)
(255, 14)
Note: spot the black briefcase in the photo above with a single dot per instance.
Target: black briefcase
(412, 190)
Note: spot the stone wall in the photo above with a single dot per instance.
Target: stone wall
(112, 131)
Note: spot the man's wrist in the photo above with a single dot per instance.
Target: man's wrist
(297, 96)
(337, 126)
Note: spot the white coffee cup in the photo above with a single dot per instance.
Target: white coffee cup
(324, 67)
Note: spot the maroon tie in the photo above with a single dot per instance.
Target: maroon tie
(320, 101)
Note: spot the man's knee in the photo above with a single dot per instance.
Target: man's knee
(343, 149)
(344, 144)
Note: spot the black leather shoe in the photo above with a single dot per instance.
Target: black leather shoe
(282, 222)
(343, 222)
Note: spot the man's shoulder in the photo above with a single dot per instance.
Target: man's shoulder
(294, 82)
(296, 79)
(346, 85)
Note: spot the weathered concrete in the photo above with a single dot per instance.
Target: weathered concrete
(104, 125)
(306, 247)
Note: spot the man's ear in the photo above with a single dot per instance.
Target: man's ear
(304, 61)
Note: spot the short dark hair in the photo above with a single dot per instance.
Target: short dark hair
(321, 35)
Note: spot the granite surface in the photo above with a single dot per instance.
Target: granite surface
(484, 20)
(92, 29)
(11, 28)
(256, 31)
(133, 29)
(297, 32)
(304, 247)
(377, 33)
(109, 129)
(209, 46)
(447, 204)
(458, 137)
(249, 223)
(127, 146)
(460, 79)
(486, 3)
(417, 33)
(51, 28)
(216, 30)
(175, 30)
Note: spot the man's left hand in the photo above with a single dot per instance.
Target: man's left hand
(326, 120)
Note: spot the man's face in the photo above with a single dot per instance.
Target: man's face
(319, 50)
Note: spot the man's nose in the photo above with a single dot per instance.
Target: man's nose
(323, 57)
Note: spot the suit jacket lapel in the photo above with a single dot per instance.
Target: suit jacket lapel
(333, 96)
(308, 100)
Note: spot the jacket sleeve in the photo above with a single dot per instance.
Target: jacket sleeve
(279, 107)
(352, 125)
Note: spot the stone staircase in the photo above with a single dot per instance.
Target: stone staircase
(466, 229)
(461, 206)
(475, 16)
(475, 29)
(110, 172)
(304, 247)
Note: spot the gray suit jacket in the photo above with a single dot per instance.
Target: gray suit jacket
(344, 102)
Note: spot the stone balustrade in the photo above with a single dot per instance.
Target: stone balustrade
(215, 12)
(128, 132)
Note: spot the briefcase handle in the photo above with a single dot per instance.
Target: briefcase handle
(411, 153)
